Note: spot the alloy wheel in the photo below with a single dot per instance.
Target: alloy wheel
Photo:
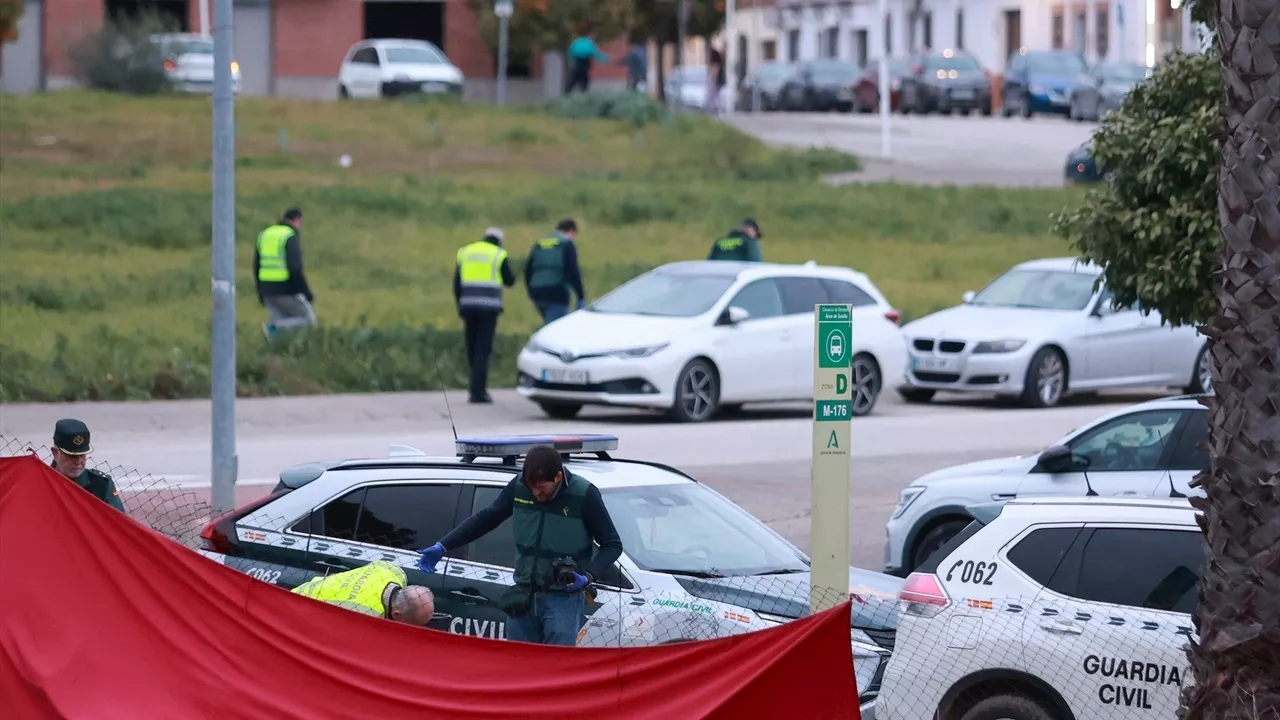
(866, 385)
(697, 393)
(1050, 379)
(1205, 371)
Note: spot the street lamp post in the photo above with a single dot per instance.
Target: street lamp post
(502, 9)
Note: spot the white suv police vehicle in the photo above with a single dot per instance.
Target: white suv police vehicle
(1150, 449)
(694, 566)
(1051, 609)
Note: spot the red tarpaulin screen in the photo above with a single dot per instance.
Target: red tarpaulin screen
(102, 618)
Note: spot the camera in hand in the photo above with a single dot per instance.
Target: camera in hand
(563, 569)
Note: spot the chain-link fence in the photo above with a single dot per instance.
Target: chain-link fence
(953, 643)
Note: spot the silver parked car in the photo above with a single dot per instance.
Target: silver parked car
(1103, 89)
(1046, 329)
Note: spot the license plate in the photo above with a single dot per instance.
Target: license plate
(565, 377)
(933, 364)
(962, 94)
(433, 87)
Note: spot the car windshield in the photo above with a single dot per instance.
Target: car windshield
(690, 529)
(1125, 73)
(771, 71)
(414, 55)
(1056, 64)
(955, 62)
(692, 74)
(834, 71)
(189, 47)
(664, 294)
(1038, 289)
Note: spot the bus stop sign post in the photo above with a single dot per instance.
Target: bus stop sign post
(831, 469)
(503, 9)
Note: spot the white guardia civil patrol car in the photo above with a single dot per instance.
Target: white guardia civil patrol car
(1051, 609)
(695, 565)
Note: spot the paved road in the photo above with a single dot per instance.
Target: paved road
(934, 149)
(760, 460)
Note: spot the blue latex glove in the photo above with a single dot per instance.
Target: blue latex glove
(579, 581)
(581, 303)
(429, 557)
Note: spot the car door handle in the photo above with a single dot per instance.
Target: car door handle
(1062, 626)
(470, 597)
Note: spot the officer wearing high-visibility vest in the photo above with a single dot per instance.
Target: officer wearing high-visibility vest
(742, 244)
(282, 286)
(379, 589)
(556, 517)
(552, 271)
(483, 269)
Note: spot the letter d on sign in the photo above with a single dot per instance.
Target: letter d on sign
(842, 384)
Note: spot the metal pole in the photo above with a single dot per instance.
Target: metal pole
(502, 60)
(883, 83)
(223, 390)
(204, 18)
(730, 54)
(755, 46)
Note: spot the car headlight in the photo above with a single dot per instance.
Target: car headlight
(905, 498)
(640, 352)
(1036, 90)
(533, 347)
(895, 84)
(999, 346)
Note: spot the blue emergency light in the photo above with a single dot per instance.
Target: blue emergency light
(510, 447)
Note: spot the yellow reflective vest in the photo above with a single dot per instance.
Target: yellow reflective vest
(360, 589)
(271, 258)
(480, 276)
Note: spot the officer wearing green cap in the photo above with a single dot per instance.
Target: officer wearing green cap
(71, 447)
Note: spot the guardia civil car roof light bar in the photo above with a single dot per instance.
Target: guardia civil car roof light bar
(512, 447)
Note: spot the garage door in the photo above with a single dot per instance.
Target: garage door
(21, 60)
(253, 47)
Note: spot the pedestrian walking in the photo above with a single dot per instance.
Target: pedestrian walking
(71, 448)
(582, 52)
(742, 244)
(282, 286)
(715, 82)
(555, 516)
(637, 64)
(551, 272)
(379, 589)
(483, 269)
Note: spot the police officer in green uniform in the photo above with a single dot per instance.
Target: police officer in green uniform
(483, 268)
(555, 517)
(282, 286)
(742, 244)
(71, 447)
(552, 271)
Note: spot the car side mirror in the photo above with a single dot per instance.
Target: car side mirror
(732, 315)
(968, 297)
(1060, 459)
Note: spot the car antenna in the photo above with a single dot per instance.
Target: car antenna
(443, 391)
(1173, 490)
(1089, 491)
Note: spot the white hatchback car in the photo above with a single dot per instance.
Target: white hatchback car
(1041, 331)
(694, 338)
(389, 68)
(188, 62)
(1051, 609)
(1146, 450)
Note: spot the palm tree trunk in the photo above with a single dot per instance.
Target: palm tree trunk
(1236, 663)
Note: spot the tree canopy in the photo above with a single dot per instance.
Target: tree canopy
(11, 12)
(657, 19)
(547, 25)
(1153, 225)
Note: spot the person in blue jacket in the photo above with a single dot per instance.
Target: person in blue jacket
(582, 51)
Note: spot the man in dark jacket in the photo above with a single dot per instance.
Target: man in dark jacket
(555, 516)
(552, 271)
(282, 286)
(71, 448)
(742, 244)
(482, 270)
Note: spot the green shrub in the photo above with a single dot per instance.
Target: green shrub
(120, 57)
(635, 108)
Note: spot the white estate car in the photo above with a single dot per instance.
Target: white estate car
(1148, 450)
(1051, 609)
(692, 338)
(1040, 331)
(694, 564)
(188, 62)
(388, 68)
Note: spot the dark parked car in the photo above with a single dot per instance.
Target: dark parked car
(1104, 88)
(769, 78)
(1082, 167)
(821, 85)
(946, 81)
(1041, 81)
(866, 94)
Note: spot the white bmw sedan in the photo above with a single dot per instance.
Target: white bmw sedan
(1042, 331)
(694, 338)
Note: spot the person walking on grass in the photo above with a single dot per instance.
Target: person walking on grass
(483, 268)
(582, 52)
(551, 272)
(282, 286)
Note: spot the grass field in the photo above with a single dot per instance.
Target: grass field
(105, 227)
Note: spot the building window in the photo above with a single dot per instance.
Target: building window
(1058, 29)
(888, 34)
(1102, 22)
(928, 30)
(860, 47)
(1080, 31)
(959, 28)
(793, 45)
(830, 43)
(769, 50)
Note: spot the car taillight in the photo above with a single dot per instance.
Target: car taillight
(923, 596)
(894, 317)
(170, 65)
(915, 69)
(219, 533)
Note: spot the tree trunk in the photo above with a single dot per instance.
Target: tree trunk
(661, 75)
(1236, 663)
